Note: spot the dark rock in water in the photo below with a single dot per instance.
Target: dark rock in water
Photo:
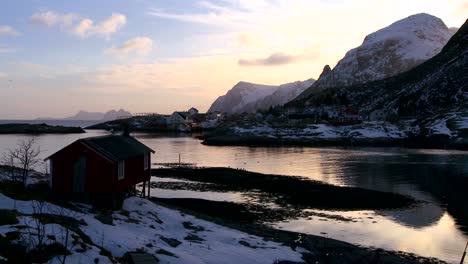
(19, 128)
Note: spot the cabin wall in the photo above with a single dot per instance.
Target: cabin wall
(101, 174)
(62, 168)
(98, 170)
(134, 173)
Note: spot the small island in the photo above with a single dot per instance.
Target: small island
(21, 128)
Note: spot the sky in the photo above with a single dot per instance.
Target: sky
(58, 57)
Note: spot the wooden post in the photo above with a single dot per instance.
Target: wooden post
(464, 254)
(143, 192)
(179, 159)
(149, 181)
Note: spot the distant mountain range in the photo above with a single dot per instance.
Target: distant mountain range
(96, 116)
(387, 52)
(250, 97)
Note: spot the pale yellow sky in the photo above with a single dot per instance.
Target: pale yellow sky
(162, 59)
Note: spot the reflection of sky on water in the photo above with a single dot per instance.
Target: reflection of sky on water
(441, 239)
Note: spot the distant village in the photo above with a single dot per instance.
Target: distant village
(192, 120)
(182, 121)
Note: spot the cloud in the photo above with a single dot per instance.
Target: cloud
(138, 45)
(3, 75)
(83, 27)
(217, 15)
(52, 18)
(79, 26)
(8, 31)
(86, 26)
(276, 59)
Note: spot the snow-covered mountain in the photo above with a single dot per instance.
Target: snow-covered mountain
(434, 89)
(110, 115)
(283, 94)
(250, 97)
(388, 52)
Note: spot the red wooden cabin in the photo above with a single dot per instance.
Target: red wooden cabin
(101, 168)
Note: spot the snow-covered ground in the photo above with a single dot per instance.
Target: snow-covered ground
(367, 130)
(450, 124)
(171, 236)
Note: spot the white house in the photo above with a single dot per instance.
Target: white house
(181, 121)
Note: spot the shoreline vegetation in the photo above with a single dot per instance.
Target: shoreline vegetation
(24, 128)
(289, 190)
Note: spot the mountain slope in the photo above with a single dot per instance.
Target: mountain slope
(250, 97)
(436, 87)
(283, 94)
(241, 94)
(388, 52)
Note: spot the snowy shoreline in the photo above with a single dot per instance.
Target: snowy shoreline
(141, 225)
(381, 134)
(173, 236)
(169, 233)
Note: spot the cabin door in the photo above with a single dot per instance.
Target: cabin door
(79, 175)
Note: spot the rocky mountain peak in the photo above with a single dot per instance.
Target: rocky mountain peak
(326, 70)
(389, 51)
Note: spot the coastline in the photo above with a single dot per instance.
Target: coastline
(322, 249)
(287, 191)
(149, 221)
(250, 216)
(26, 128)
(271, 141)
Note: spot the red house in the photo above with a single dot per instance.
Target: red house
(102, 169)
(352, 115)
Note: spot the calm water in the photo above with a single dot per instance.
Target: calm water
(436, 228)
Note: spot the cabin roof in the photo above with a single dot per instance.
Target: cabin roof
(115, 147)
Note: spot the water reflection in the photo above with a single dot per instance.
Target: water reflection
(438, 177)
(441, 240)
(417, 217)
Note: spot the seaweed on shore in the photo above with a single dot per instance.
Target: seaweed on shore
(291, 191)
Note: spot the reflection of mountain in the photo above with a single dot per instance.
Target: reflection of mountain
(440, 179)
(422, 215)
